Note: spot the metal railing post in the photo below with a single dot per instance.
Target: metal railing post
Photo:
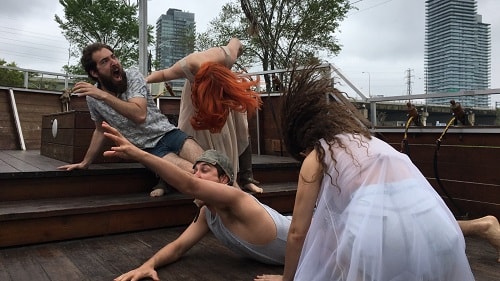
(16, 119)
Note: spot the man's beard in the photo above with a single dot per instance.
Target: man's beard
(118, 87)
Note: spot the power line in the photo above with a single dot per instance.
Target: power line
(17, 31)
(28, 55)
(370, 7)
(18, 44)
(31, 44)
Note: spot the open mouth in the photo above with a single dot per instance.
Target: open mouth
(116, 73)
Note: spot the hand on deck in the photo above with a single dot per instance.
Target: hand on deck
(267, 277)
(70, 167)
(138, 274)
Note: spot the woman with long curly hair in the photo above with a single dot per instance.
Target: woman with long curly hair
(214, 105)
(362, 210)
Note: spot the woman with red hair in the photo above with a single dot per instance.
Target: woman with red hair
(214, 105)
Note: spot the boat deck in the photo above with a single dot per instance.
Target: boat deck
(103, 257)
(19, 163)
(106, 257)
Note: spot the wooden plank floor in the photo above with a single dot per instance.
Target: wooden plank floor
(103, 258)
(30, 161)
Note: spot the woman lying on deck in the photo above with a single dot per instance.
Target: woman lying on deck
(246, 219)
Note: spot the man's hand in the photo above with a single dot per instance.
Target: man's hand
(86, 89)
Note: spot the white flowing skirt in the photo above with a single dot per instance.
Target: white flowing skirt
(392, 232)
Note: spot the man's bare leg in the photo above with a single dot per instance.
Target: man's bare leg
(486, 227)
(190, 151)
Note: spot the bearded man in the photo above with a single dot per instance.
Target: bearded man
(121, 98)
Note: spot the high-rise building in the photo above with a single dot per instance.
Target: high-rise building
(457, 51)
(174, 38)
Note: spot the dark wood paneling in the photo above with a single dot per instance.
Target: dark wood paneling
(31, 106)
(78, 103)
(457, 162)
(73, 135)
(40, 230)
(69, 120)
(9, 139)
(55, 219)
(170, 106)
(73, 185)
(464, 139)
(276, 174)
(467, 165)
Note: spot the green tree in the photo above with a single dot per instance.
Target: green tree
(10, 77)
(277, 32)
(74, 69)
(113, 22)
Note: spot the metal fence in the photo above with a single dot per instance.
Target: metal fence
(36, 79)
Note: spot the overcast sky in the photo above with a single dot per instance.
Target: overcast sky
(383, 38)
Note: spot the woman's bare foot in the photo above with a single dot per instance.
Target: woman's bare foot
(492, 234)
(253, 188)
(157, 192)
(486, 227)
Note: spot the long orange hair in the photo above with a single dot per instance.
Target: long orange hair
(215, 91)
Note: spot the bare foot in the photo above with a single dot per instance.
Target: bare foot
(492, 234)
(159, 189)
(157, 192)
(485, 227)
(253, 188)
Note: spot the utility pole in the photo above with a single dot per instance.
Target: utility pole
(369, 83)
(143, 37)
(408, 81)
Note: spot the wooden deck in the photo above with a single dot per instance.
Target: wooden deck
(106, 257)
(84, 252)
(15, 163)
(39, 203)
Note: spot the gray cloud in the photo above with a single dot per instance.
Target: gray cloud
(384, 38)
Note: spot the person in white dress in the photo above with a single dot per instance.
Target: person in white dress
(362, 211)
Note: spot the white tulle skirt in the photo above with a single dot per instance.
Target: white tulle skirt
(391, 232)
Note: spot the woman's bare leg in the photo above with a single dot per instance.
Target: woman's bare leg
(245, 174)
(486, 227)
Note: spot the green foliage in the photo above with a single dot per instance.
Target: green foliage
(278, 32)
(10, 77)
(74, 69)
(113, 22)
